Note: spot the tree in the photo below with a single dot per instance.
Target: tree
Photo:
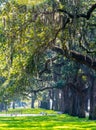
(64, 28)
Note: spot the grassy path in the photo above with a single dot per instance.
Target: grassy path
(54, 122)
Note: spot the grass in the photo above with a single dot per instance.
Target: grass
(28, 111)
(54, 122)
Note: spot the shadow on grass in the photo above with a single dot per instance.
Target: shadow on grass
(46, 122)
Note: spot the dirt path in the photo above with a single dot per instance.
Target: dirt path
(12, 114)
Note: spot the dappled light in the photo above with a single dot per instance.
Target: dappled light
(46, 122)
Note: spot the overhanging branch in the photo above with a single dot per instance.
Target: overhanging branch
(87, 15)
(77, 57)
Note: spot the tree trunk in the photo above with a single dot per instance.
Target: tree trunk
(53, 100)
(62, 101)
(74, 104)
(1, 106)
(13, 105)
(67, 100)
(33, 98)
(92, 114)
(81, 112)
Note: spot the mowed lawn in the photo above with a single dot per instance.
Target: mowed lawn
(46, 122)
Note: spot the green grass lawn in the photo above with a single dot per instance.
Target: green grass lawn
(54, 122)
(28, 111)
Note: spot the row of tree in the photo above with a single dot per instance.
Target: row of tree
(47, 45)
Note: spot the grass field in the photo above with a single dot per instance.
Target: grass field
(28, 111)
(54, 122)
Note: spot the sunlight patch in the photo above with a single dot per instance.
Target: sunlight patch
(29, 1)
(61, 127)
(1, 125)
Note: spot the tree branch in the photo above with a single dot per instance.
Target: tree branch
(77, 57)
(37, 90)
(44, 88)
(83, 59)
(46, 65)
(87, 16)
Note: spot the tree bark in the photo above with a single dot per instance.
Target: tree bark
(33, 97)
(92, 114)
(81, 111)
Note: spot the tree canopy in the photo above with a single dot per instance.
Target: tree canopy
(36, 34)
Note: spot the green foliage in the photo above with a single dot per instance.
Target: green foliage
(60, 84)
(29, 2)
(84, 78)
(27, 32)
